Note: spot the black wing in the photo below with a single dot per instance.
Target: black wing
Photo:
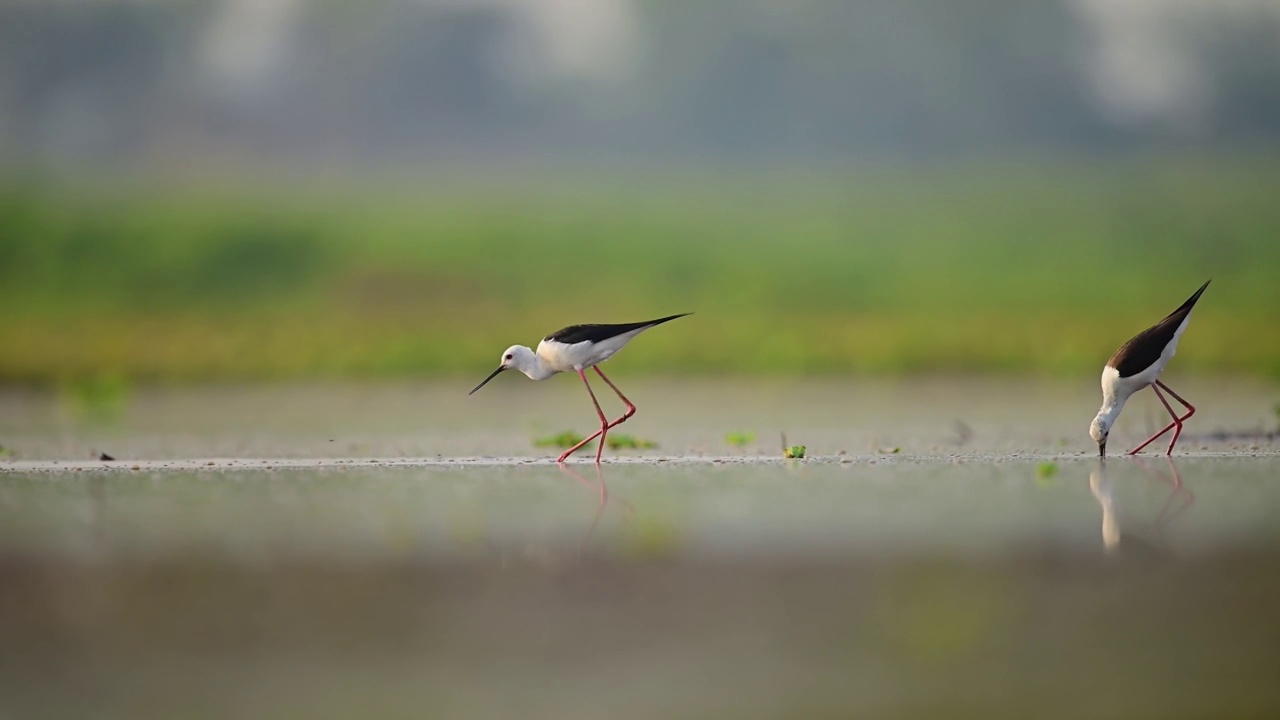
(1145, 348)
(598, 333)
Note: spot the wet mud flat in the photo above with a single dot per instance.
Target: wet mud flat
(688, 418)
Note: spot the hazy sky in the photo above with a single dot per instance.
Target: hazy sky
(729, 78)
(1140, 63)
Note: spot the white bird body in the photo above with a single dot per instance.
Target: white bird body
(1138, 364)
(575, 349)
(1116, 390)
(564, 357)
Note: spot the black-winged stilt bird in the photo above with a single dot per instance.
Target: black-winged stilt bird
(1136, 365)
(577, 348)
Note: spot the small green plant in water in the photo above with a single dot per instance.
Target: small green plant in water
(1046, 470)
(793, 452)
(738, 439)
(617, 442)
(5, 452)
(566, 439)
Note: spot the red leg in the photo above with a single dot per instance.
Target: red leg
(1177, 430)
(631, 408)
(1190, 408)
(1176, 425)
(604, 425)
(1177, 421)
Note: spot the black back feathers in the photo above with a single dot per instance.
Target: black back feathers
(1146, 347)
(599, 333)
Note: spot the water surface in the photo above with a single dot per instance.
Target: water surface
(951, 548)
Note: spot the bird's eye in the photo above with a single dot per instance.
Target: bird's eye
(508, 357)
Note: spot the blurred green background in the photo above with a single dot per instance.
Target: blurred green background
(228, 190)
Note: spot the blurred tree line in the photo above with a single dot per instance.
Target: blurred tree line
(123, 82)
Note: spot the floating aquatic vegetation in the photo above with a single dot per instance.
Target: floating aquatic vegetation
(566, 439)
(616, 442)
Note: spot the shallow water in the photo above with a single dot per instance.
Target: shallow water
(396, 551)
(687, 509)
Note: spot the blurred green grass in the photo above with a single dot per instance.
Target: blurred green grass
(1031, 267)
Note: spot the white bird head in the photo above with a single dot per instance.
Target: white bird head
(517, 356)
(1099, 429)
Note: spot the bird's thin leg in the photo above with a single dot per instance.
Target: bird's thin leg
(604, 425)
(1176, 425)
(631, 407)
(1191, 410)
(1177, 420)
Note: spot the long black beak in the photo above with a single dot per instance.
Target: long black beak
(492, 375)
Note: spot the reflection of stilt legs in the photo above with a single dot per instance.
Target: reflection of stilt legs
(597, 485)
(1179, 500)
(604, 499)
(98, 492)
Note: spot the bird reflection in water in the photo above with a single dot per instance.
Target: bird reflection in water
(1101, 487)
(602, 491)
(555, 554)
(1178, 501)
